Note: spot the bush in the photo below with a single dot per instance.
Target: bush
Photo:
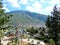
(52, 42)
(16, 39)
(13, 43)
(46, 40)
(59, 42)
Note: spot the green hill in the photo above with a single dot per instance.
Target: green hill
(23, 19)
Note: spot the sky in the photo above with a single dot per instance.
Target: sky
(38, 6)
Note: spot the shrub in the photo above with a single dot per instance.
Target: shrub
(52, 42)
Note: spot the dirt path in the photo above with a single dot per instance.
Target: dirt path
(5, 41)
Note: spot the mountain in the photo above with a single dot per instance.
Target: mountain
(32, 14)
(26, 18)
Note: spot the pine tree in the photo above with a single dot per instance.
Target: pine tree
(4, 19)
(53, 23)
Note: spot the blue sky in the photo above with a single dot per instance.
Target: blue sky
(38, 6)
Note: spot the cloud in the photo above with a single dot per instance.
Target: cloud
(54, 2)
(6, 9)
(42, 1)
(30, 8)
(23, 2)
(14, 3)
(47, 10)
(33, 0)
(37, 6)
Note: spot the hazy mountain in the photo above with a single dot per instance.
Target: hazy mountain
(26, 18)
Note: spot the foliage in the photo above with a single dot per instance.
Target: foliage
(4, 19)
(53, 23)
(16, 40)
(43, 36)
(52, 42)
(32, 30)
(40, 31)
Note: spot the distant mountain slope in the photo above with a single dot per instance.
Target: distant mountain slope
(26, 18)
(41, 17)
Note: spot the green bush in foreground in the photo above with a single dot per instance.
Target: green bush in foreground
(51, 41)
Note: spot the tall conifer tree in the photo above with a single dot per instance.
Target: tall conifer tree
(53, 23)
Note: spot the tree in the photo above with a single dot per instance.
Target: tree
(4, 19)
(32, 31)
(53, 23)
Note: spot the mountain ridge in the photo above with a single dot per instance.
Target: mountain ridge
(26, 18)
(33, 14)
